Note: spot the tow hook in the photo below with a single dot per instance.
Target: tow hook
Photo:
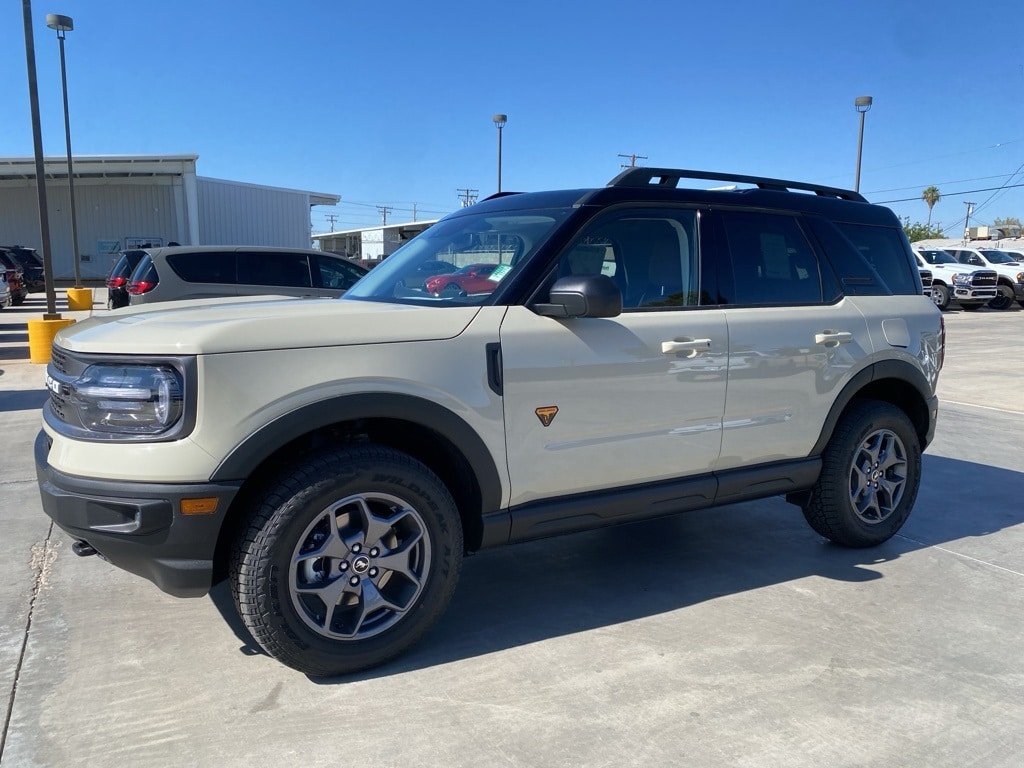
(83, 549)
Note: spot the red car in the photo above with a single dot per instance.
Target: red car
(475, 278)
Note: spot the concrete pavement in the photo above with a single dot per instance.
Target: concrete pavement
(729, 637)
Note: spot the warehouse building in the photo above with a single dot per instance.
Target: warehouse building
(137, 201)
(371, 244)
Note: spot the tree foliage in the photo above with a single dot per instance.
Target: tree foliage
(1006, 220)
(918, 231)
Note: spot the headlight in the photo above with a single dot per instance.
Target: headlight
(119, 400)
(132, 399)
(959, 279)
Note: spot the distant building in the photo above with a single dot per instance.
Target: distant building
(371, 243)
(125, 201)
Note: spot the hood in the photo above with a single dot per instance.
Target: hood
(212, 326)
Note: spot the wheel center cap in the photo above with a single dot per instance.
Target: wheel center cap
(877, 474)
(361, 564)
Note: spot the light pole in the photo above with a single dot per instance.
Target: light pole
(65, 24)
(499, 123)
(862, 104)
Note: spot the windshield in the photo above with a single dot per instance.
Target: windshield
(460, 260)
(938, 257)
(998, 257)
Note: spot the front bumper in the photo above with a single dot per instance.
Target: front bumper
(138, 526)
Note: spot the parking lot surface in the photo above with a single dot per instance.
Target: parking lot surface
(733, 637)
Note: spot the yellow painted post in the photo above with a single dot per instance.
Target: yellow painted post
(40, 337)
(79, 298)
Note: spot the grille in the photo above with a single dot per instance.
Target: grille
(985, 278)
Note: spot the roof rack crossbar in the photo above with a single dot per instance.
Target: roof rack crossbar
(670, 177)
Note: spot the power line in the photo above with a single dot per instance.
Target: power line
(468, 196)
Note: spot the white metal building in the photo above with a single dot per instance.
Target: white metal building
(371, 243)
(131, 201)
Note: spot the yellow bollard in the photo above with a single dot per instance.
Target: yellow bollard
(40, 337)
(79, 298)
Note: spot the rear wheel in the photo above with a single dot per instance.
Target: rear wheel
(1004, 297)
(870, 475)
(348, 560)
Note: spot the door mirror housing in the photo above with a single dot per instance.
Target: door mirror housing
(582, 296)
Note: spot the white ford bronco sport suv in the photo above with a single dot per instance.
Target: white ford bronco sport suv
(637, 350)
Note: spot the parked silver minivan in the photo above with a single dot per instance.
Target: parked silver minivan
(216, 271)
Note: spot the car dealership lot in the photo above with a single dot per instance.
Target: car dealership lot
(727, 637)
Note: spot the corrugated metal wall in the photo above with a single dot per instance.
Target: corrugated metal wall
(105, 213)
(240, 214)
(109, 211)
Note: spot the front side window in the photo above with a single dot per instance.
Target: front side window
(338, 274)
(460, 260)
(772, 262)
(652, 255)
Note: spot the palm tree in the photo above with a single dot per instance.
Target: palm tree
(931, 195)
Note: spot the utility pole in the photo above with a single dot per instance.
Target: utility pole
(331, 217)
(468, 196)
(414, 211)
(384, 211)
(633, 157)
(967, 222)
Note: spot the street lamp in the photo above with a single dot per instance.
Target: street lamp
(65, 24)
(862, 104)
(499, 123)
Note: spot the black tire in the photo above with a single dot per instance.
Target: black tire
(110, 304)
(394, 550)
(870, 475)
(1004, 297)
(17, 301)
(940, 295)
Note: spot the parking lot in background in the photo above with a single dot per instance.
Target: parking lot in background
(733, 636)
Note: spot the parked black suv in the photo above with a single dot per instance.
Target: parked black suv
(31, 264)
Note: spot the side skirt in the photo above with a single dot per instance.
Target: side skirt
(581, 512)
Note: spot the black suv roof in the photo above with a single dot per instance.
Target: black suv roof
(662, 185)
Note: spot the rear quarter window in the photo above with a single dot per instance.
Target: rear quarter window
(886, 250)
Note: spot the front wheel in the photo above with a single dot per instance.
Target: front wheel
(870, 475)
(348, 559)
(940, 295)
(1004, 298)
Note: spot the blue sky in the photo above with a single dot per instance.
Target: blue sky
(390, 103)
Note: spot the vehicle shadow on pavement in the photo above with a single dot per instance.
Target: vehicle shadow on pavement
(527, 593)
(22, 399)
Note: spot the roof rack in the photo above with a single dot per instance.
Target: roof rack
(669, 177)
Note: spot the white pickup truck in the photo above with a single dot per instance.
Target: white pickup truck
(971, 287)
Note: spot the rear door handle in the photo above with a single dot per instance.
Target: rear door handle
(693, 346)
(833, 338)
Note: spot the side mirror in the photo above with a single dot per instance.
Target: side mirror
(582, 296)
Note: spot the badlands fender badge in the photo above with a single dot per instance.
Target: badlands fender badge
(547, 414)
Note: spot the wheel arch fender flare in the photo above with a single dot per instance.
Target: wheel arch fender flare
(876, 372)
(264, 442)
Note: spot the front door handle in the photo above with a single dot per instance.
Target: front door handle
(833, 338)
(693, 346)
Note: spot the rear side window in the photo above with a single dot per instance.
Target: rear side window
(886, 250)
(288, 270)
(772, 262)
(199, 267)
